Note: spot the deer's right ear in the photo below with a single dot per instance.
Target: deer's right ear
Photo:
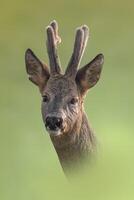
(38, 72)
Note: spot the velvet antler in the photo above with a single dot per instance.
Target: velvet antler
(81, 38)
(52, 40)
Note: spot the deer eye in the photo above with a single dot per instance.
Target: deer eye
(73, 101)
(45, 98)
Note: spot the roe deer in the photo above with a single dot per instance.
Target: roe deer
(63, 94)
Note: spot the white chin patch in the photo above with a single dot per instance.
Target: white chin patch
(54, 133)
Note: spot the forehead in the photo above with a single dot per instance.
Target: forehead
(61, 85)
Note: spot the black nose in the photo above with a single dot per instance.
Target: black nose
(53, 122)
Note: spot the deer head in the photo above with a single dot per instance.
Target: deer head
(62, 94)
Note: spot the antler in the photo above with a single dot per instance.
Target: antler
(52, 40)
(81, 38)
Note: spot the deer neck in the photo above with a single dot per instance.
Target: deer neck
(73, 146)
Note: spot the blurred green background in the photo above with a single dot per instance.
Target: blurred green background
(29, 167)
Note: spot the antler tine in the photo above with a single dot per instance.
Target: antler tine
(81, 38)
(86, 36)
(54, 24)
(52, 40)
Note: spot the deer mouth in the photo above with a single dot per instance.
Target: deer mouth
(55, 132)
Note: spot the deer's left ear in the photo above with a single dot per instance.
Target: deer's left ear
(89, 75)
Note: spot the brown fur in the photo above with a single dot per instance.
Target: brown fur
(76, 145)
(63, 94)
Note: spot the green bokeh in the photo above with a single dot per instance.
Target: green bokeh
(29, 167)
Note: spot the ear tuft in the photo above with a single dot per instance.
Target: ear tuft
(100, 59)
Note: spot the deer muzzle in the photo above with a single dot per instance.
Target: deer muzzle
(54, 124)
